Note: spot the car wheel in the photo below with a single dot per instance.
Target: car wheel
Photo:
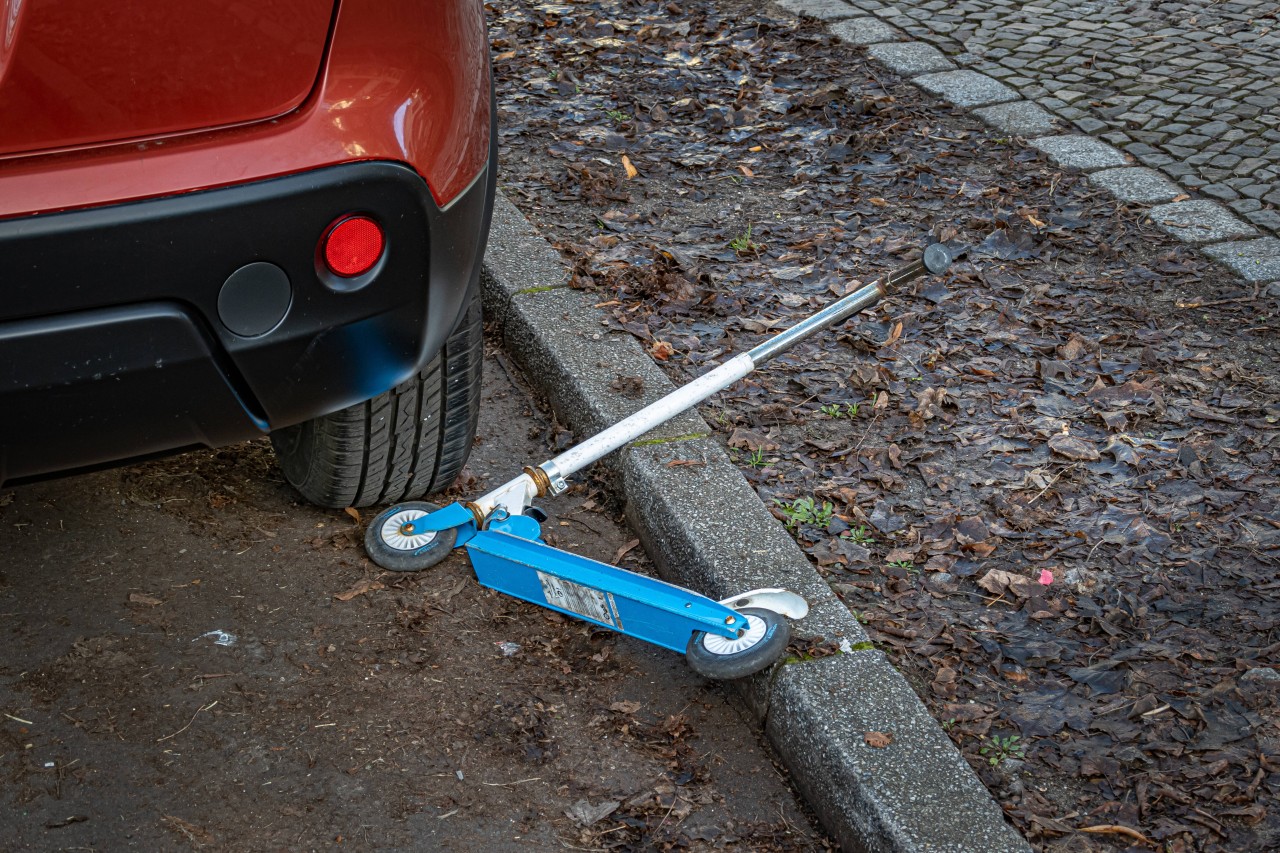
(403, 444)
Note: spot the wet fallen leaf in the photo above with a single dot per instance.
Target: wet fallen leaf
(999, 581)
(585, 814)
(661, 350)
(143, 598)
(624, 550)
(1074, 448)
(894, 334)
(877, 740)
(631, 170)
(1118, 830)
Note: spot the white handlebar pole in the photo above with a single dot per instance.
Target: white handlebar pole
(517, 494)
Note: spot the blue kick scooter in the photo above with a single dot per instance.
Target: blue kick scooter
(501, 530)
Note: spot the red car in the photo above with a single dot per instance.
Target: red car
(223, 219)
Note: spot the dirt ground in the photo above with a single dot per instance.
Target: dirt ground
(192, 659)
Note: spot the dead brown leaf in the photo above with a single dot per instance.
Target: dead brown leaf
(366, 585)
(999, 581)
(1075, 449)
(877, 740)
(624, 550)
(661, 350)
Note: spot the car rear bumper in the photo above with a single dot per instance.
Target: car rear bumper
(114, 337)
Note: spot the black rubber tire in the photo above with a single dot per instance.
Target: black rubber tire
(396, 559)
(762, 654)
(409, 442)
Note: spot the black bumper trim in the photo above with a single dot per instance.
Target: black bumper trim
(134, 290)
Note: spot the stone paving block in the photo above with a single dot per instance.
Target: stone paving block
(1136, 185)
(910, 58)
(1080, 152)
(1019, 118)
(966, 88)
(823, 10)
(861, 31)
(1265, 218)
(1199, 221)
(1255, 260)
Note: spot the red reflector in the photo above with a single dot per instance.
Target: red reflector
(353, 246)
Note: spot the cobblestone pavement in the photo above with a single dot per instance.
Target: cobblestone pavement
(1190, 88)
(1158, 91)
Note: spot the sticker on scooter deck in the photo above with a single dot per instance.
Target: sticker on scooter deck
(585, 601)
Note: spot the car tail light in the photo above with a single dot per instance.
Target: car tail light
(353, 246)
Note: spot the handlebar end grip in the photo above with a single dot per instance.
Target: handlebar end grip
(937, 258)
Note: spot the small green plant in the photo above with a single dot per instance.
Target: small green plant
(1001, 749)
(617, 115)
(835, 410)
(756, 459)
(806, 511)
(948, 725)
(744, 245)
(903, 564)
(860, 535)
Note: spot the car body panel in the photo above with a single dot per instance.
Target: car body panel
(82, 72)
(401, 83)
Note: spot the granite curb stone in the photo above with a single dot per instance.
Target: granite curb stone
(910, 58)
(966, 88)
(1136, 185)
(823, 10)
(1255, 260)
(864, 31)
(706, 528)
(1199, 221)
(824, 712)
(1019, 118)
(1080, 152)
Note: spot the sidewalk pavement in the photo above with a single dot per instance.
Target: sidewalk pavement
(1158, 100)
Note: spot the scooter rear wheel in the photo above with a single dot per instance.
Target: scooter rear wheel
(761, 644)
(393, 545)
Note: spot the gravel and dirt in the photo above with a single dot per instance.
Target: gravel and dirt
(1048, 483)
(192, 659)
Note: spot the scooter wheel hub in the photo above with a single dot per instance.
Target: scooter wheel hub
(747, 638)
(399, 533)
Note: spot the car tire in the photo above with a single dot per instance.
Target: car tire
(408, 442)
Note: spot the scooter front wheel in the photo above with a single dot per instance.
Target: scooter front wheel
(393, 543)
(762, 643)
